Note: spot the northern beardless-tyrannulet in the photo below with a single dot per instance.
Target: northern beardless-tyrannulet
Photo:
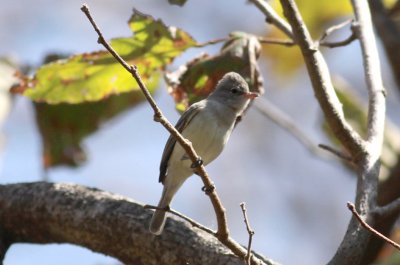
(208, 125)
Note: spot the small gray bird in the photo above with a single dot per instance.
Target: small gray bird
(208, 125)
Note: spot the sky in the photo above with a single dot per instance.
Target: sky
(296, 202)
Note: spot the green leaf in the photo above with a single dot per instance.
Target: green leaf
(98, 86)
(64, 126)
(195, 80)
(97, 75)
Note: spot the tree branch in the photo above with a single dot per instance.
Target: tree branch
(334, 28)
(373, 76)
(184, 217)
(223, 231)
(365, 154)
(103, 222)
(249, 231)
(393, 208)
(337, 153)
(287, 43)
(369, 228)
(269, 110)
(272, 17)
(322, 83)
(330, 30)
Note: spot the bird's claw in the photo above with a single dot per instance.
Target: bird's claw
(208, 189)
(197, 163)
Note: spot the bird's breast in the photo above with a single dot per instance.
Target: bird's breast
(208, 134)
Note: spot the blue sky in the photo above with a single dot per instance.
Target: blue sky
(290, 194)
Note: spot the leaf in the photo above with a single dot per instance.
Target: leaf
(63, 127)
(97, 75)
(98, 86)
(195, 80)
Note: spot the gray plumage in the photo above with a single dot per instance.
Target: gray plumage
(208, 125)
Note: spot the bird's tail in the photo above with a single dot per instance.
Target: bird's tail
(158, 220)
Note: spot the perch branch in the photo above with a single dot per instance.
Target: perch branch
(352, 208)
(223, 231)
(103, 222)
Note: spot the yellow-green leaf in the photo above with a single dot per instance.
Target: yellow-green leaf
(97, 75)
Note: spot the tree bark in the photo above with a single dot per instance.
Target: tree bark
(103, 222)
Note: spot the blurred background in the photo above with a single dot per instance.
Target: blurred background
(296, 201)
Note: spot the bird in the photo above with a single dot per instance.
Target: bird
(207, 124)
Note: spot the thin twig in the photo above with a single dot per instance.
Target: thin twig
(287, 43)
(249, 231)
(337, 153)
(334, 28)
(335, 44)
(352, 208)
(184, 217)
(389, 209)
(272, 112)
(210, 42)
(272, 17)
(223, 231)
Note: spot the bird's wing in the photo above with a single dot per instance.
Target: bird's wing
(183, 121)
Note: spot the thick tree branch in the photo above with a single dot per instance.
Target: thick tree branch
(103, 222)
(322, 83)
(365, 154)
(223, 232)
(373, 76)
(369, 164)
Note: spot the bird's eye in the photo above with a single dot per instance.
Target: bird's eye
(235, 91)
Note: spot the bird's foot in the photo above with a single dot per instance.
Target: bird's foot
(208, 189)
(197, 163)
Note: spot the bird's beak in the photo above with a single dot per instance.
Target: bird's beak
(251, 95)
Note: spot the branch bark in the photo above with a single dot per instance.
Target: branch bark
(272, 17)
(322, 83)
(103, 222)
(365, 153)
